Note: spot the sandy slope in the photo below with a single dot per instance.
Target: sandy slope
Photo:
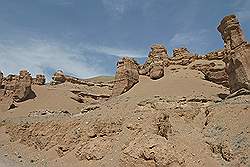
(130, 130)
(178, 81)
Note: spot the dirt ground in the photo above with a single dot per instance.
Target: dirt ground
(180, 120)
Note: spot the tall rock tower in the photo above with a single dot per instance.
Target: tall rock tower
(237, 53)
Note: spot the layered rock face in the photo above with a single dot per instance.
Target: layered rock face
(127, 75)
(39, 80)
(155, 63)
(59, 77)
(181, 53)
(158, 55)
(237, 53)
(215, 55)
(213, 70)
(182, 56)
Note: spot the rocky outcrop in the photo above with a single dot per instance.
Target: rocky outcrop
(39, 80)
(213, 70)
(21, 86)
(182, 56)
(155, 63)
(215, 55)
(158, 55)
(237, 53)
(88, 97)
(181, 53)
(127, 75)
(163, 125)
(15, 88)
(58, 77)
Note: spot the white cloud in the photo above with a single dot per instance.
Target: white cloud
(116, 8)
(190, 40)
(37, 55)
(114, 51)
(244, 15)
(243, 11)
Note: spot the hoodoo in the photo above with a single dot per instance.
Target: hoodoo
(237, 53)
(127, 75)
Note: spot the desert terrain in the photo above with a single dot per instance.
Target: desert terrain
(184, 110)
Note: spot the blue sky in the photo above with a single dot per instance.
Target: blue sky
(86, 37)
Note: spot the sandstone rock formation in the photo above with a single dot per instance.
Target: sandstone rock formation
(181, 53)
(155, 63)
(126, 77)
(237, 53)
(158, 55)
(15, 88)
(163, 125)
(182, 56)
(215, 55)
(59, 77)
(22, 86)
(39, 80)
(156, 72)
(18, 86)
(213, 70)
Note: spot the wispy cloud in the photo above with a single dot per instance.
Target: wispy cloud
(114, 51)
(39, 56)
(116, 8)
(61, 2)
(191, 40)
(243, 11)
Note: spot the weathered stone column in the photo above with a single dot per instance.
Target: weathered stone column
(126, 77)
(155, 63)
(237, 53)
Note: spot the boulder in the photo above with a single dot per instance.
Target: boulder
(127, 75)
(59, 77)
(237, 53)
(156, 72)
